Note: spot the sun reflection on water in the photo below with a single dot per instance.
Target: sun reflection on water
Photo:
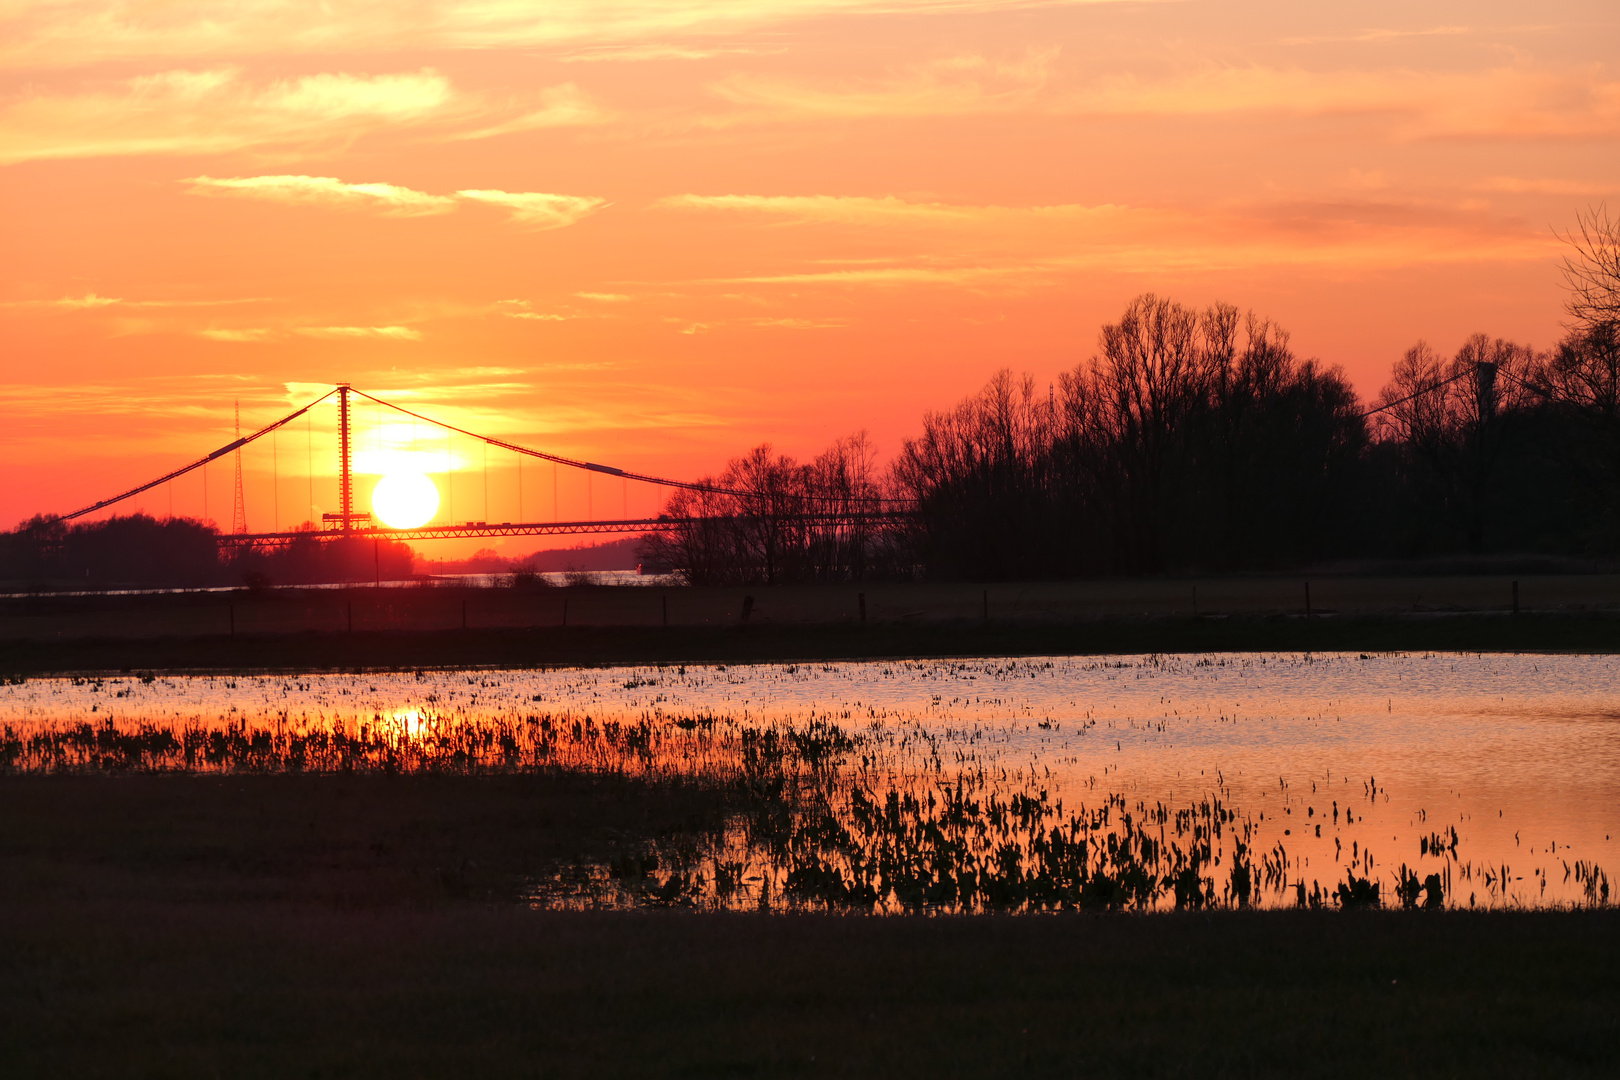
(1495, 775)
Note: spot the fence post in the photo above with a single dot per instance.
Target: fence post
(565, 611)
(748, 607)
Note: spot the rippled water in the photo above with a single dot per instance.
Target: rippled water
(1500, 773)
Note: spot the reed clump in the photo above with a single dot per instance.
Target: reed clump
(811, 815)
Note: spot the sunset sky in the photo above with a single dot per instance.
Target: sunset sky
(654, 234)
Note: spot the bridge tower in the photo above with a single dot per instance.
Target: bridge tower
(239, 505)
(345, 461)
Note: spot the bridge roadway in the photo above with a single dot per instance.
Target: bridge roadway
(541, 528)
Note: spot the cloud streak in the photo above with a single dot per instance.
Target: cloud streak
(215, 111)
(528, 209)
(326, 191)
(218, 110)
(1518, 101)
(864, 210)
(350, 333)
(966, 85)
(538, 210)
(51, 33)
(1525, 101)
(1015, 247)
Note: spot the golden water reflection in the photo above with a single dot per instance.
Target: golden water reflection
(970, 784)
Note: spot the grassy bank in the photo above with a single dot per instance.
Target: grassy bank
(361, 926)
(541, 646)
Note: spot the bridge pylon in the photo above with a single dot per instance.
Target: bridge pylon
(345, 462)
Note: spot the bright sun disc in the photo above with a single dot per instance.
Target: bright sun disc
(405, 500)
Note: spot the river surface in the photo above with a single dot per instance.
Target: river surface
(1501, 772)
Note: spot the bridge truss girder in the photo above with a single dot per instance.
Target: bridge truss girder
(471, 529)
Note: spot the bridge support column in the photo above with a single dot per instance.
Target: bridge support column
(345, 461)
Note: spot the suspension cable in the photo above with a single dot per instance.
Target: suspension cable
(1416, 393)
(199, 463)
(591, 466)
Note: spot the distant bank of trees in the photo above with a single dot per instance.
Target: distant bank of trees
(1198, 441)
(179, 552)
(770, 519)
(1194, 441)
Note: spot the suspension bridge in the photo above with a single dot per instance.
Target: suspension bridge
(349, 521)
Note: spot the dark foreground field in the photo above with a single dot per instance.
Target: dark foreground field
(313, 630)
(366, 926)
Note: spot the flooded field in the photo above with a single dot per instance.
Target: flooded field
(938, 785)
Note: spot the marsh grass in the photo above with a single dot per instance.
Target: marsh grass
(795, 816)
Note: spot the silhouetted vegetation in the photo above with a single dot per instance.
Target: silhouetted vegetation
(1197, 442)
(1192, 442)
(138, 551)
(757, 521)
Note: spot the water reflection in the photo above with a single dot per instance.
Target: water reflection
(1137, 782)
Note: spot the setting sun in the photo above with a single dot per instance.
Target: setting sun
(405, 500)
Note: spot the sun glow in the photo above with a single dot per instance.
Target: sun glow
(405, 500)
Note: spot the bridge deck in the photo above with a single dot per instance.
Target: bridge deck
(534, 528)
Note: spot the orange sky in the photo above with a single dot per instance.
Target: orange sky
(655, 233)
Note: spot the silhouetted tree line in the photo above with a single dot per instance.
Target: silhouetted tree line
(1198, 441)
(1193, 441)
(138, 550)
(770, 519)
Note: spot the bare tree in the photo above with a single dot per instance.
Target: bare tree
(980, 473)
(1457, 416)
(1592, 269)
(1151, 377)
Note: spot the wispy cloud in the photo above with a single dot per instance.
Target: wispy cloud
(792, 323)
(531, 209)
(879, 210)
(1019, 248)
(1514, 101)
(326, 191)
(954, 86)
(50, 33)
(1379, 34)
(220, 110)
(89, 301)
(1516, 185)
(663, 51)
(603, 297)
(900, 275)
(252, 335)
(524, 309)
(558, 106)
(93, 302)
(215, 111)
(538, 210)
(386, 333)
